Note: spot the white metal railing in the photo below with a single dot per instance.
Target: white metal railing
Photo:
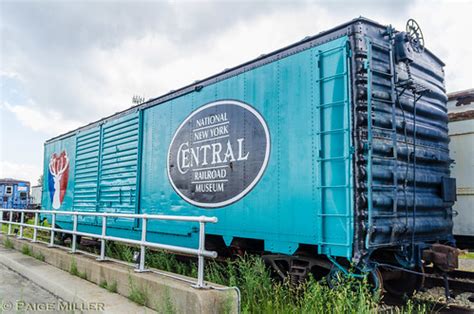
(200, 252)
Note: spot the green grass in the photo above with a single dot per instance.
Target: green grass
(467, 255)
(119, 251)
(26, 249)
(103, 284)
(263, 294)
(8, 243)
(137, 294)
(112, 287)
(166, 305)
(260, 292)
(75, 272)
(28, 232)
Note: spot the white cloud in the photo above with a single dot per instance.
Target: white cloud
(88, 79)
(76, 63)
(20, 171)
(448, 31)
(47, 121)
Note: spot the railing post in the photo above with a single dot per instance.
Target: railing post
(22, 221)
(74, 235)
(202, 240)
(53, 223)
(102, 241)
(141, 267)
(10, 223)
(35, 231)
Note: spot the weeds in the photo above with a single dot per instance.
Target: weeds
(75, 272)
(8, 243)
(259, 291)
(39, 256)
(26, 250)
(166, 306)
(467, 255)
(110, 287)
(119, 251)
(137, 294)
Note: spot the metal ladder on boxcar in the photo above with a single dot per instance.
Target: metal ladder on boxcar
(374, 97)
(343, 215)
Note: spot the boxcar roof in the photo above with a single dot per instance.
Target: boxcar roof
(305, 43)
(12, 181)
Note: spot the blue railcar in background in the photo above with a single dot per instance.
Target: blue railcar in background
(14, 193)
(329, 151)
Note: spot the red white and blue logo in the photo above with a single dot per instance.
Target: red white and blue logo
(58, 177)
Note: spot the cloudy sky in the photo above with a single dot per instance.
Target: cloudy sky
(67, 63)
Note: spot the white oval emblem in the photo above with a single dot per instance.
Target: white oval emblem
(218, 153)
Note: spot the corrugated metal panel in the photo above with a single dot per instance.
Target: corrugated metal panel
(119, 164)
(86, 172)
(402, 114)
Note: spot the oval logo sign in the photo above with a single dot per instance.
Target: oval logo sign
(218, 154)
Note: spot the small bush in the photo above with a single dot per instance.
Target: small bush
(26, 250)
(73, 269)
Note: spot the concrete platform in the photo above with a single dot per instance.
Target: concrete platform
(160, 292)
(16, 292)
(72, 294)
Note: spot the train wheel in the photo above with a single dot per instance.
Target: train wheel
(376, 281)
(398, 283)
(374, 278)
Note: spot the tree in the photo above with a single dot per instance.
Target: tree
(40, 180)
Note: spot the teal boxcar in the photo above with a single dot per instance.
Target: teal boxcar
(333, 147)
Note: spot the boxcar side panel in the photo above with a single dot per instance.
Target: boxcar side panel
(58, 176)
(309, 163)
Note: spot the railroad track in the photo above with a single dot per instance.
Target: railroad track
(460, 283)
(458, 280)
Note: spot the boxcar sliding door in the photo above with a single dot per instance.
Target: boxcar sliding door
(106, 169)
